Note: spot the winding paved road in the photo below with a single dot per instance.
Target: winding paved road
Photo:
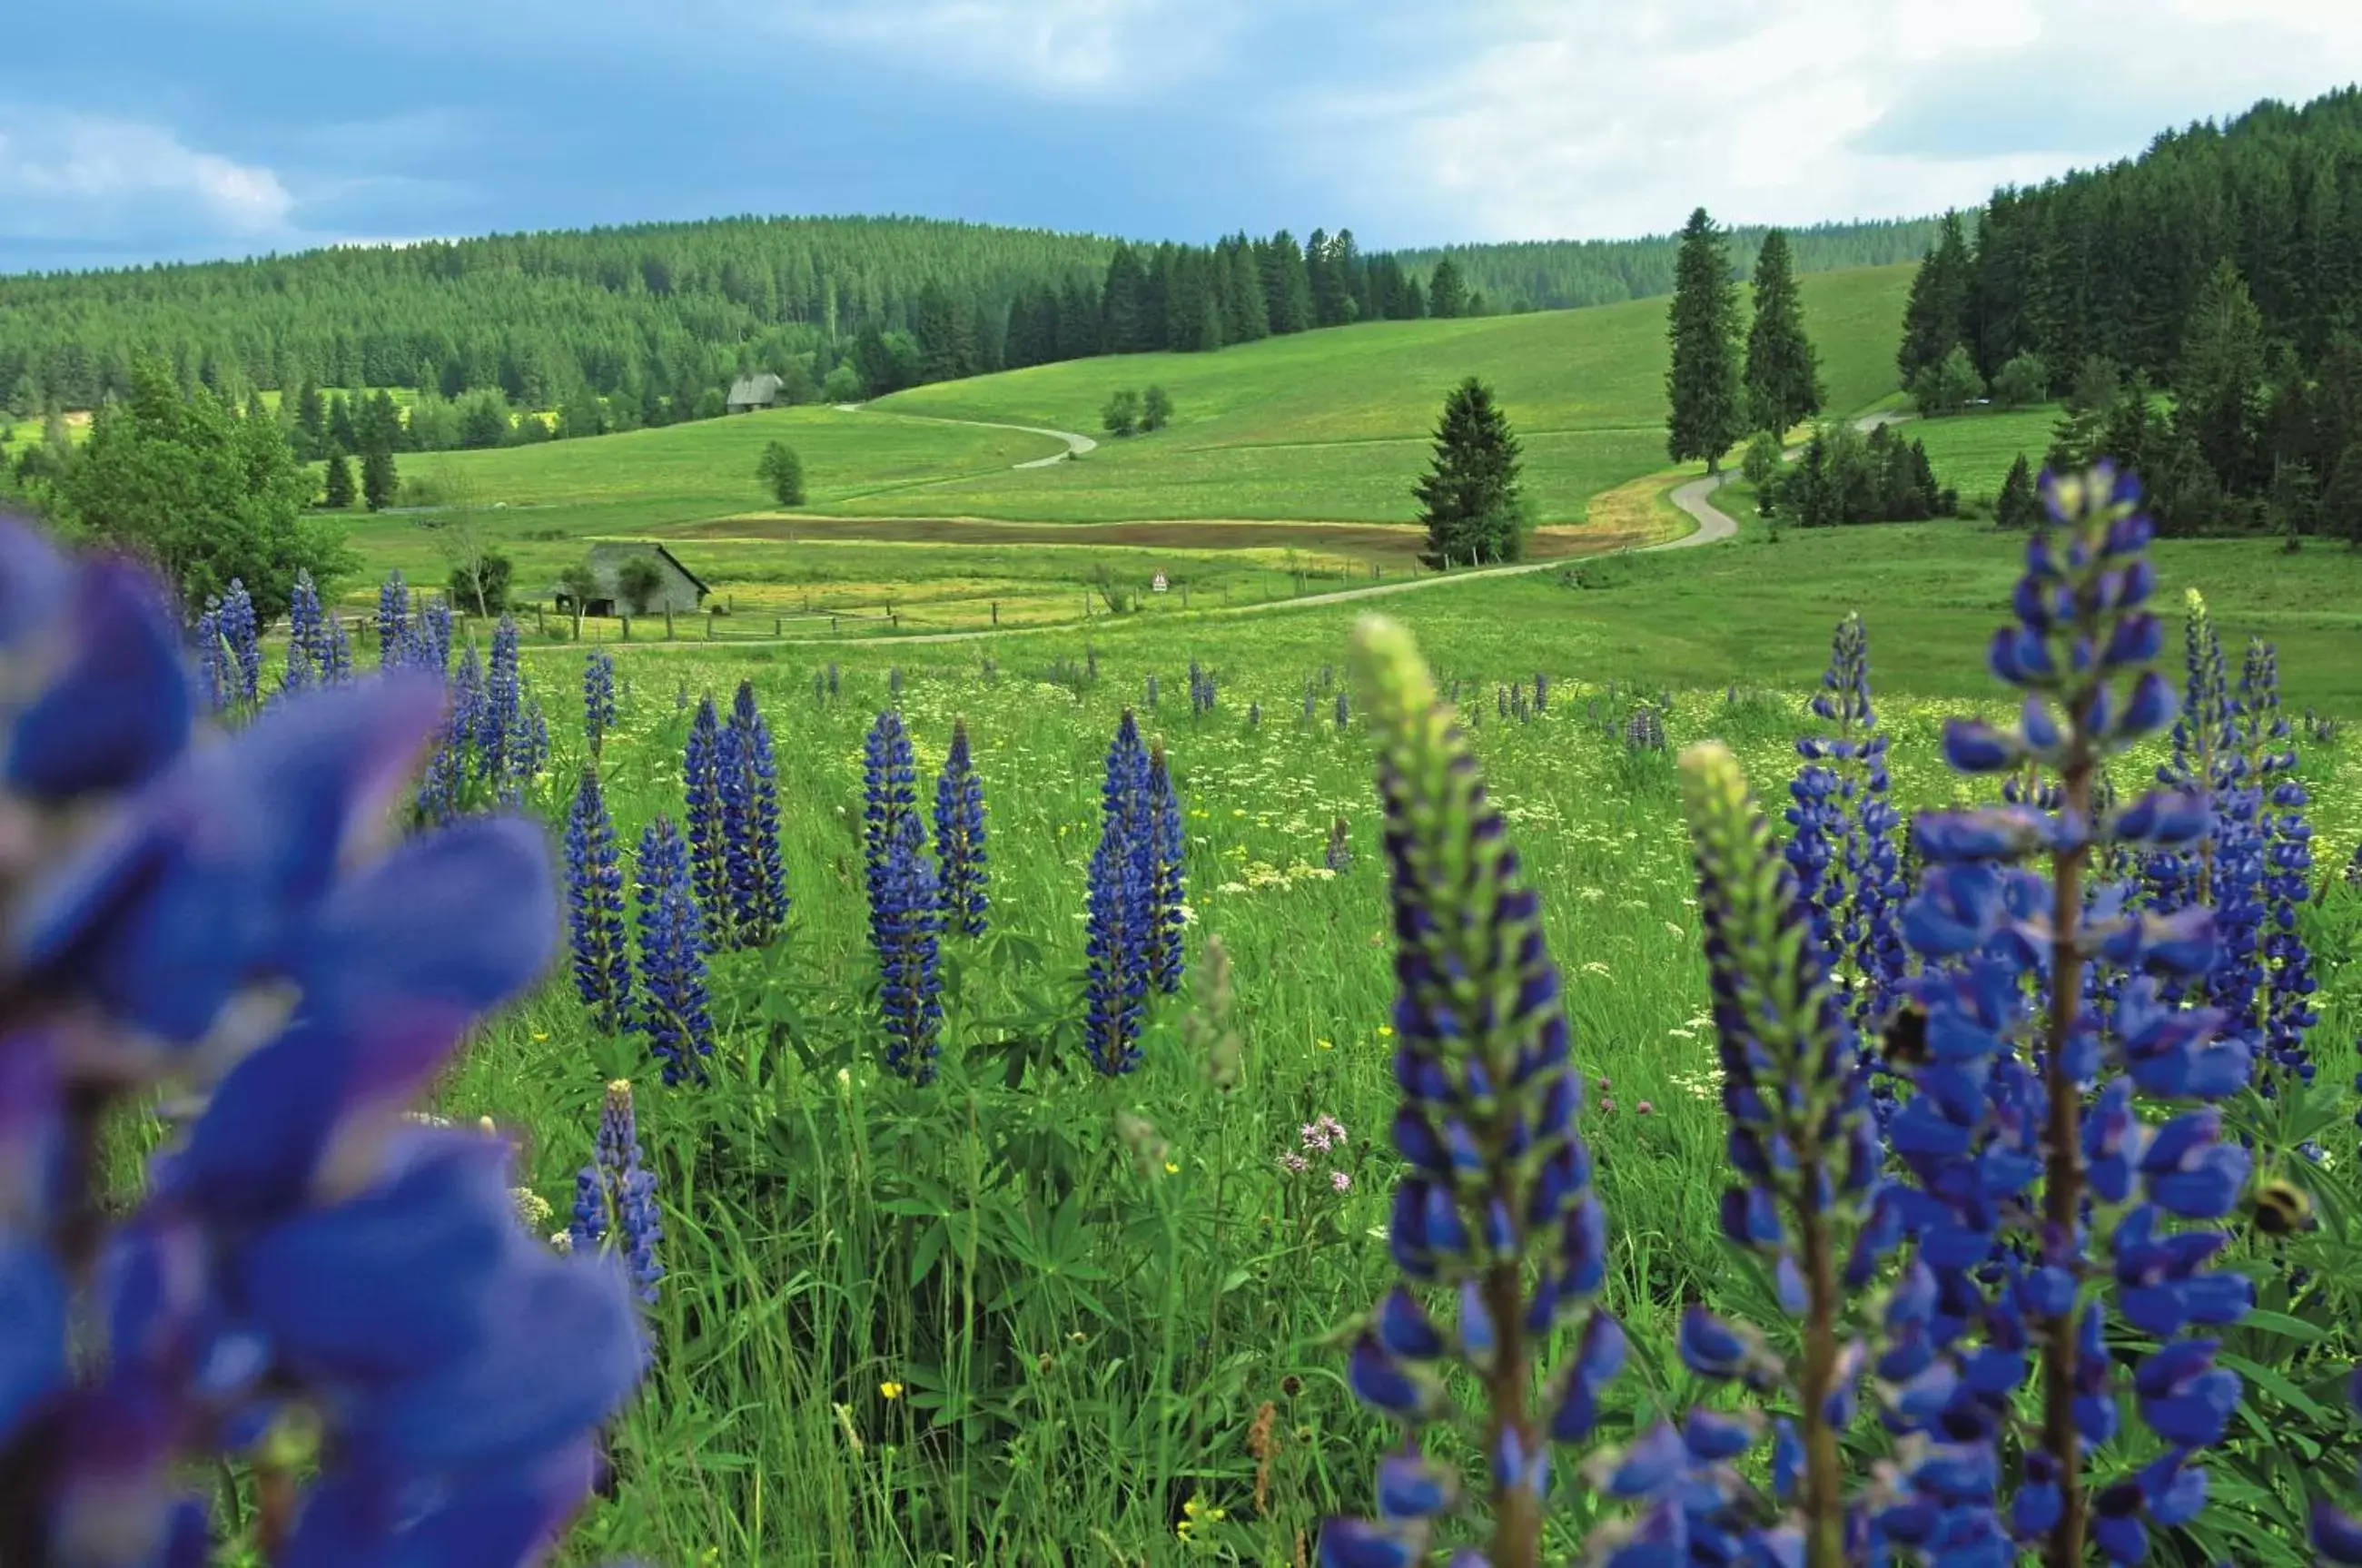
(1076, 444)
(1715, 525)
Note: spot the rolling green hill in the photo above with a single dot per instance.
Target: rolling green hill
(1334, 426)
(1329, 426)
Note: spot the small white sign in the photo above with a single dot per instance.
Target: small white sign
(1158, 585)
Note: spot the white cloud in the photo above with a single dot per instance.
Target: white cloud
(78, 176)
(1070, 47)
(1597, 118)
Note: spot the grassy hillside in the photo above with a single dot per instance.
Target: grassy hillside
(1335, 424)
(1973, 451)
(1330, 426)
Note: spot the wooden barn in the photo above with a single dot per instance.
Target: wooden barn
(751, 392)
(603, 583)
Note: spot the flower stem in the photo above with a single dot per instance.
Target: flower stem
(1516, 1511)
(1824, 1467)
(2063, 1155)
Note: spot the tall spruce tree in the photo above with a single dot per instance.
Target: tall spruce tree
(1287, 288)
(1702, 383)
(340, 483)
(1937, 317)
(1471, 498)
(1447, 292)
(2218, 381)
(1782, 377)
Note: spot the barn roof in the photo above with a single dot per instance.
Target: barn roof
(764, 388)
(606, 560)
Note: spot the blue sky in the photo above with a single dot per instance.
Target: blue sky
(134, 130)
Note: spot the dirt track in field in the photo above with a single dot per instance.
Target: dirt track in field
(1371, 541)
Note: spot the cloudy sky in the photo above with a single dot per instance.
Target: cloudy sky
(145, 129)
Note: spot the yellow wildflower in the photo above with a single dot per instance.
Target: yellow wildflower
(890, 1390)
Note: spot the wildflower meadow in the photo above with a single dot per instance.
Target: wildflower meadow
(468, 1099)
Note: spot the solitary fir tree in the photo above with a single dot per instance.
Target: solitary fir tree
(2017, 506)
(1703, 384)
(1782, 376)
(378, 480)
(1469, 498)
(1935, 319)
(1447, 293)
(340, 483)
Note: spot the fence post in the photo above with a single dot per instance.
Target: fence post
(578, 623)
(711, 617)
(779, 625)
(1185, 594)
(540, 621)
(667, 623)
(627, 628)
(996, 611)
(832, 624)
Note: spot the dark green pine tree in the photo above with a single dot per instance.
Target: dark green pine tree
(340, 483)
(380, 482)
(1937, 315)
(1782, 376)
(2017, 506)
(1702, 385)
(1124, 305)
(1252, 320)
(311, 439)
(1287, 288)
(1447, 292)
(1469, 498)
(2218, 381)
(341, 435)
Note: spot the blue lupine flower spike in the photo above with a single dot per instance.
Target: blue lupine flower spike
(615, 1195)
(708, 853)
(1801, 1137)
(672, 1008)
(1167, 893)
(962, 862)
(595, 882)
(906, 925)
(750, 825)
(1991, 1123)
(598, 699)
(1494, 1221)
(298, 1243)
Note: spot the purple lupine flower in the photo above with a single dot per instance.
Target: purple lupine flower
(2033, 1113)
(615, 1195)
(443, 792)
(598, 698)
(1808, 1202)
(502, 741)
(904, 924)
(1493, 1218)
(307, 639)
(1167, 895)
(2277, 845)
(750, 824)
(297, 1242)
(243, 635)
(889, 792)
(595, 882)
(217, 666)
(1844, 852)
(701, 776)
(1120, 910)
(963, 863)
(430, 648)
(672, 1007)
(394, 636)
(335, 666)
